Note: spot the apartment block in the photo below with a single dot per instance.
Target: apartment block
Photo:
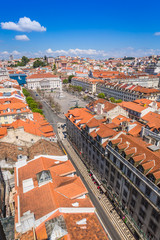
(126, 166)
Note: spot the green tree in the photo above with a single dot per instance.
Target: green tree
(54, 67)
(38, 63)
(70, 78)
(25, 92)
(118, 101)
(24, 60)
(101, 95)
(65, 81)
(37, 110)
(33, 105)
(112, 99)
(29, 98)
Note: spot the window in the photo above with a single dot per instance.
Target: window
(148, 191)
(125, 193)
(106, 172)
(137, 182)
(117, 185)
(144, 203)
(102, 158)
(112, 178)
(133, 202)
(131, 211)
(142, 213)
(102, 166)
(5, 117)
(121, 166)
(129, 173)
(134, 192)
(156, 215)
(126, 183)
(153, 226)
(107, 163)
(112, 169)
(158, 202)
(97, 153)
(97, 161)
(141, 169)
(114, 159)
(119, 176)
(139, 223)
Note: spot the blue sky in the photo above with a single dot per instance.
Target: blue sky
(99, 29)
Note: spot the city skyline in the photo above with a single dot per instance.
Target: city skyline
(90, 29)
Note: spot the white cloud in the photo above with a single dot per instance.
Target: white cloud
(101, 54)
(77, 52)
(15, 52)
(49, 51)
(22, 38)
(92, 53)
(157, 33)
(24, 25)
(5, 53)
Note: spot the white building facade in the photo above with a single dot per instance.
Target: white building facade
(45, 81)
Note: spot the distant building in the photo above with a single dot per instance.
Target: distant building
(153, 68)
(3, 74)
(11, 58)
(43, 81)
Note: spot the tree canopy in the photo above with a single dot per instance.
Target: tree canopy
(101, 95)
(38, 63)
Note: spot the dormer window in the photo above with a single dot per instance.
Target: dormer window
(141, 169)
(43, 177)
(123, 154)
(110, 143)
(131, 161)
(117, 149)
(151, 177)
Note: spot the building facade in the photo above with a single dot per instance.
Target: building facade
(44, 81)
(126, 168)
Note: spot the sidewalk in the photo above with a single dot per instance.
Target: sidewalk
(115, 219)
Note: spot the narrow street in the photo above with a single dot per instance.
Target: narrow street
(110, 220)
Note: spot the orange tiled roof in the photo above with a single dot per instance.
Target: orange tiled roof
(42, 75)
(144, 156)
